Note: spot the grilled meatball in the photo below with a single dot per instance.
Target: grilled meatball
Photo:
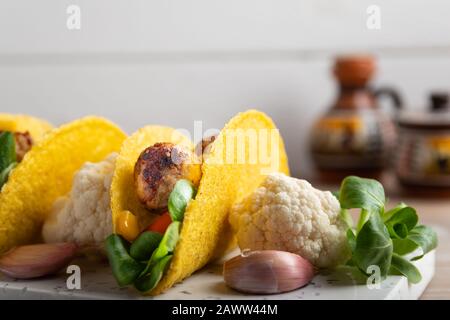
(24, 142)
(157, 170)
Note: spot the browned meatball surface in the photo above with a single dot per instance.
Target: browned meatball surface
(157, 170)
(24, 142)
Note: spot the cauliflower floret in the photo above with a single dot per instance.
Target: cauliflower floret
(288, 214)
(84, 216)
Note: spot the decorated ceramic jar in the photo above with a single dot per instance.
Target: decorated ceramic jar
(354, 135)
(423, 152)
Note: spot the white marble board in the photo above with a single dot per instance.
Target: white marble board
(98, 283)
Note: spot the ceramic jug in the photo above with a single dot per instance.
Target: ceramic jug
(354, 136)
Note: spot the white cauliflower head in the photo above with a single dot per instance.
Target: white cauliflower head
(288, 214)
(84, 216)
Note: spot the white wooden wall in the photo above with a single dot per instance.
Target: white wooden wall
(175, 61)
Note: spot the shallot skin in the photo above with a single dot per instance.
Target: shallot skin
(38, 260)
(267, 272)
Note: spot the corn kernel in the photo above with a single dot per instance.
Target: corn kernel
(127, 225)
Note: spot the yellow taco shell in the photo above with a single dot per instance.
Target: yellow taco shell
(23, 123)
(205, 233)
(46, 173)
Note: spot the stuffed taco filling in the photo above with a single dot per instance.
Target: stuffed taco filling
(156, 208)
(58, 193)
(13, 147)
(16, 140)
(84, 216)
(170, 209)
(22, 142)
(166, 178)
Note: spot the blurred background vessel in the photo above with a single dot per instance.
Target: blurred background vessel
(424, 147)
(355, 136)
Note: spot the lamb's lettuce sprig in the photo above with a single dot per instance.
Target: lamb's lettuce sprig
(383, 238)
(143, 262)
(7, 156)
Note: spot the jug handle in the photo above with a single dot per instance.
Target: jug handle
(392, 94)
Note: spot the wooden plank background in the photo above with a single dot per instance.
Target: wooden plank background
(175, 61)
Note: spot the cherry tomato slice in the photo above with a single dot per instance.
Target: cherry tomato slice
(161, 223)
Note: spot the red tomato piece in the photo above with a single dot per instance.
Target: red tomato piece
(161, 223)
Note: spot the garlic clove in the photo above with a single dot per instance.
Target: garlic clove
(33, 261)
(267, 272)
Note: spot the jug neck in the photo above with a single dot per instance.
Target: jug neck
(355, 97)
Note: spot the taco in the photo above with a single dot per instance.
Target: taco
(170, 209)
(46, 173)
(19, 132)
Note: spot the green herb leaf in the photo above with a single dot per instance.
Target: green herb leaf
(382, 237)
(388, 214)
(425, 238)
(169, 241)
(351, 239)
(363, 218)
(405, 268)
(7, 155)
(5, 173)
(347, 218)
(7, 150)
(362, 193)
(179, 198)
(335, 194)
(151, 280)
(166, 246)
(404, 246)
(373, 246)
(142, 248)
(421, 237)
(125, 269)
(401, 222)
